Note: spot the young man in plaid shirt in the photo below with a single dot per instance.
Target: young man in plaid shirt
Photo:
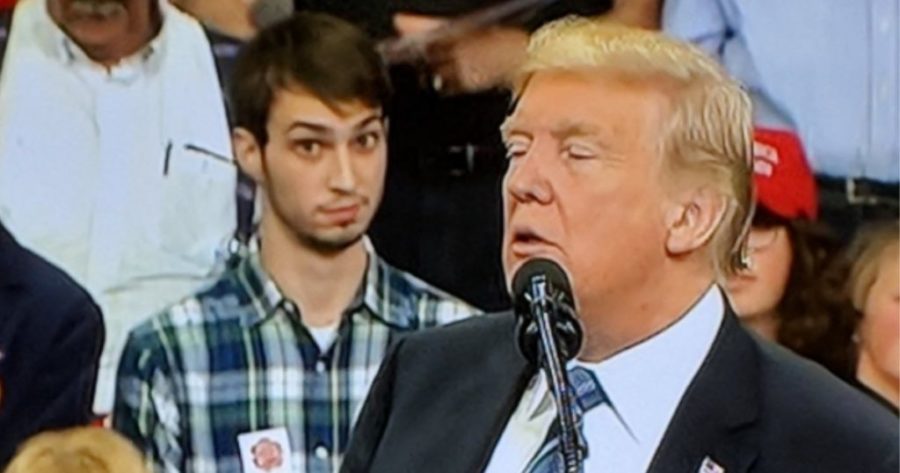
(267, 369)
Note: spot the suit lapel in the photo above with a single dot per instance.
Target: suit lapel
(502, 382)
(715, 417)
(9, 258)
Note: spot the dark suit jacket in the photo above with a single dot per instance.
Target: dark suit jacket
(443, 398)
(51, 334)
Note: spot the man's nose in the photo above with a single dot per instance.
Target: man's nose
(343, 176)
(527, 177)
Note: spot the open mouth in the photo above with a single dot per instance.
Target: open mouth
(528, 242)
(528, 238)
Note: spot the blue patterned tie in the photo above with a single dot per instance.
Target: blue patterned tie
(587, 394)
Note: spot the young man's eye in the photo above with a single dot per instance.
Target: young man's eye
(307, 146)
(368, 140)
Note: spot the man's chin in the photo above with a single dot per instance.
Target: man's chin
(334, 243)
(96, 33)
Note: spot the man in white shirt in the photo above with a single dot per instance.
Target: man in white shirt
(630, 167)
(115, 156)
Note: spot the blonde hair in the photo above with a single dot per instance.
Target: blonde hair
(708, 133)
(869, 247)
(78, 450)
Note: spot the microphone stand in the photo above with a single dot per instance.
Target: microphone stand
(544, 308)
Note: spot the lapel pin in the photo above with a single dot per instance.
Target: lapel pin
(709, 466)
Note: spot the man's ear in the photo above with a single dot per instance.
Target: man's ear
(248, 153)
(692, 219)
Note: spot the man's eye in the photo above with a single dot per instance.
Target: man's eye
(579, 152)
(307, 147)
(516, 150)
(368, 140)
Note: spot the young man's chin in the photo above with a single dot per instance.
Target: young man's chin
(337, 240)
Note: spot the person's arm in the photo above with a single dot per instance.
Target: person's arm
(702, 22)
(62, 386)
(484, 59)
(145, 410)
(230, 17)
(637, 13)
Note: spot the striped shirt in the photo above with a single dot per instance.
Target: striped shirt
(236, 358)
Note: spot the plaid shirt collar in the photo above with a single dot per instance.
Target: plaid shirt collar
(374, 293)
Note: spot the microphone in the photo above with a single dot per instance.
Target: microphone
(548, 334)
(541, 289)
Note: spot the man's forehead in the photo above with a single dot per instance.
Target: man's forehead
(582, 102)
(292, 105)
(563, 125)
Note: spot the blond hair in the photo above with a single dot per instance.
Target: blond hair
(708, 133)
(871, 245)
(78, 450)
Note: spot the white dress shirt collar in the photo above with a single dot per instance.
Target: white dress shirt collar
(646, 381)
(645, 384)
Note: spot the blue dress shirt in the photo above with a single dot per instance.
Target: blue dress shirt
(827, 69)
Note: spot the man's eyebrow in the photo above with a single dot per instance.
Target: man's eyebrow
(312, 126)
(505, 128)
(375, 117)
(321, 128)
(508, 126)
(571, 128)
(560, 131)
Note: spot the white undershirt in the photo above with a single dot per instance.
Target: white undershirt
(644, 383)
(324, 336)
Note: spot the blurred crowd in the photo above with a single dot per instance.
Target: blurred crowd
(134, 183)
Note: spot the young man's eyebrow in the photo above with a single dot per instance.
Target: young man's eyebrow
(312, 126)
(325, 129)
(375, 117)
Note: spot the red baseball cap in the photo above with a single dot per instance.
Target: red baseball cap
(784, 181)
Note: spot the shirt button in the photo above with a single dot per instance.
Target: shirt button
(320, 366)
(321, 452)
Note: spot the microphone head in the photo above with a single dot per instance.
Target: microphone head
(564, 323)
(550, 269)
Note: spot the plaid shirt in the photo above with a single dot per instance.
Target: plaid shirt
(236, 358)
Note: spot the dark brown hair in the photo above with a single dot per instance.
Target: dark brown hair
(327, 56)
(812, 313)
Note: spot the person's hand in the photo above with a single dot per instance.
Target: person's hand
(477, 61)
(230, 17)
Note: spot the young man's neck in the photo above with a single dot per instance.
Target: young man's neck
(321, 283)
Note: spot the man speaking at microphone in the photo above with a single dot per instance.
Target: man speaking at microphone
(630, 167)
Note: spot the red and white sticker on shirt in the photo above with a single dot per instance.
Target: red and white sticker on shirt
(265, 451)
